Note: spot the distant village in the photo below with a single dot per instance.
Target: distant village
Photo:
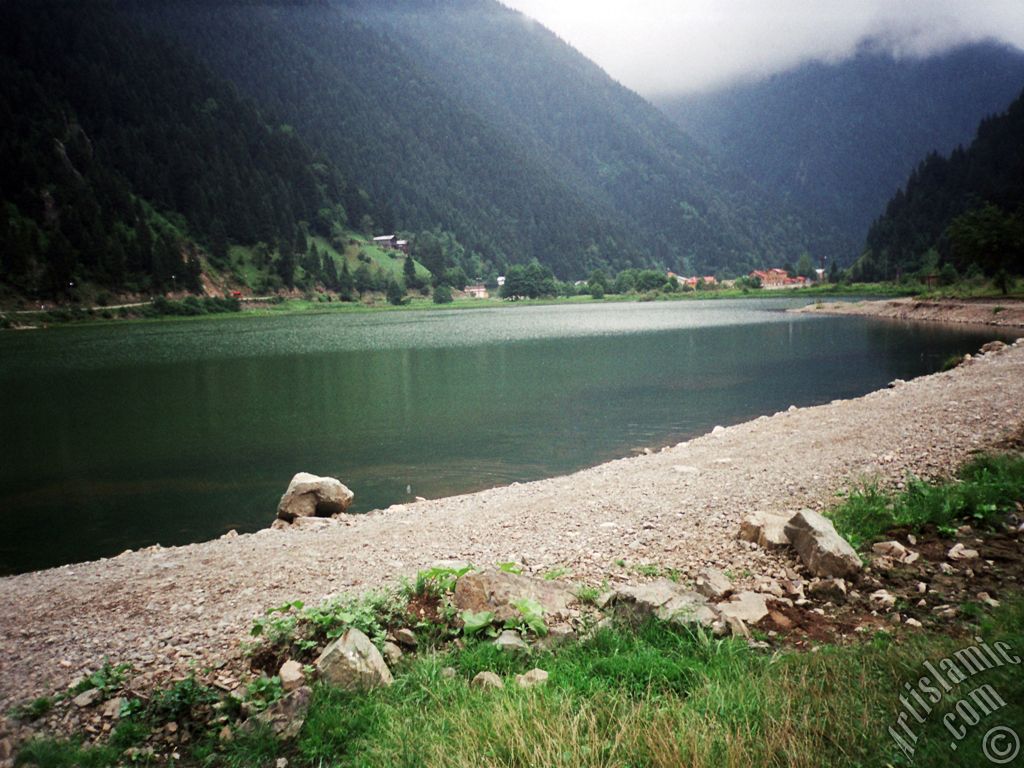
(768, 279)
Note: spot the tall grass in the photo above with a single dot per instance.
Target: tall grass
(985, 491)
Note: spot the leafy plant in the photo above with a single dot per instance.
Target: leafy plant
(532, 614)
(436, 581)
(263, 692)
(510, 567)
(182, 701)
(278, 624)
(107, 679)
(472, 623)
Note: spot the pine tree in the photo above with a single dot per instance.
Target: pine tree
(346, 284)
(412, 282)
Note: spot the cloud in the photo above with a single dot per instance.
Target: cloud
(664, 47)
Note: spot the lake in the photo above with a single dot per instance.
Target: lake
(124, 435)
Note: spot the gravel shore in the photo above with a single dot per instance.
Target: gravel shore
(1008, 313)
(169, 610)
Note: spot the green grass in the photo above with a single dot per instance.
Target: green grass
(653, 697)
(985, 491)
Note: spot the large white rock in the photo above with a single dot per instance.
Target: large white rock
(310, 495)
(748, 607)
(662, 599)
(352, 662)
(821, 548)
(765, 529)
(497, 590)
(713, 584)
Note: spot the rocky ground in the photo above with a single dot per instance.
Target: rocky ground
(169, 611)
(1007, 313)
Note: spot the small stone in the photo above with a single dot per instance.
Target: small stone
(922, 588)
(406, 637)
(532, 678)
(282, 762)
(947, 569)
(112, 708)
(829, 590)
(912, 622)
(486, 680)
(988, 600)
(292, 675)
(959, 552)
(509, 641)
(226, 734)
(448, 673)
(882, 599)
(392, 653)
(892, 549)
(87, 698)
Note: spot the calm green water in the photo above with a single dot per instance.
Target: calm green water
(124, 435)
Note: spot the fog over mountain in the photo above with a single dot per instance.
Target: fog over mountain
(670, 47)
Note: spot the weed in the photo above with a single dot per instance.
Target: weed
(532, 617)
(107, 679)
(32, 710)
(263, 691)
(588, 595)
(987, 489)
(557, 573)
(186, 700)
(473, 623)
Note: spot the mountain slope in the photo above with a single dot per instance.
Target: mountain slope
(968, 207)
(461, 114)
(120, 154)
(838, 139)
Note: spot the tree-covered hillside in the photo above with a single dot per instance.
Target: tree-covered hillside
(965, 210)
(838, 139)
(460, 114)
(122, 156)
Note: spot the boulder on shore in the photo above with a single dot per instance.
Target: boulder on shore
(313, 496)
(821, 548)
(496, 590)
(352, 662)
(662, 599)
(765, 529)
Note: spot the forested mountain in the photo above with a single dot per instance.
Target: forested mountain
(839, 139)
(966, 210)
(120, 153)
(464, 115)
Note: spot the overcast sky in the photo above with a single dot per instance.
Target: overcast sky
(661, 47)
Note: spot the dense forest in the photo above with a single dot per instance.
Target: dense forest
(837, 139)
(458, 113)
(151, 147)
(122, 157)
(963, 212)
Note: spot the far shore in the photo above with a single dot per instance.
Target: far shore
(273, 306)
(169, 611)
(1006, 313)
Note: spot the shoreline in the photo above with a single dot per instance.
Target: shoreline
(1008, 313)
(168, 610)
(264, 307)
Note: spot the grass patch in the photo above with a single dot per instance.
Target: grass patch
(656, 697)
(985, 491)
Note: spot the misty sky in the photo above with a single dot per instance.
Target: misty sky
(661, 47)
